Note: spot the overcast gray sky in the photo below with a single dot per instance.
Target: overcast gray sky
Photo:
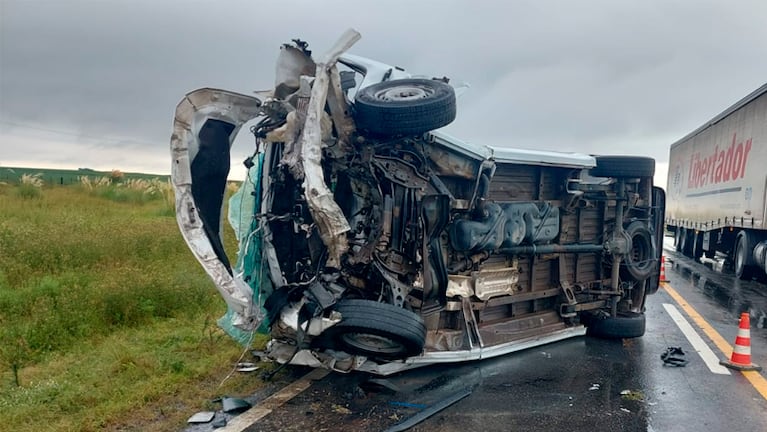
(94, 83)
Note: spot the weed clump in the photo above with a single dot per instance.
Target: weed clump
(30, 186)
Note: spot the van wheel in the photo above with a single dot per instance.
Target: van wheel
(640, 261)
(625, 325)
(373, 329)
(623, 166)
(404, 107)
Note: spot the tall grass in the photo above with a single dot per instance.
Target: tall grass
(102, 310)
(30, 186)
(133, 190)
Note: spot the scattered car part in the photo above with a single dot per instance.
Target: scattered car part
(674, 356)
(429, 411)
(234, 405)
(246, 367)
(202, 417)
(218, 423)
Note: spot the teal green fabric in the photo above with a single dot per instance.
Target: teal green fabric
(243, 206)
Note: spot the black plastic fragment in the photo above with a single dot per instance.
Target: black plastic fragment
(428, 412)
(674, 356)
(234, 405)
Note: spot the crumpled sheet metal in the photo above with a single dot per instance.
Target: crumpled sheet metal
(196, 106)
(328, 216)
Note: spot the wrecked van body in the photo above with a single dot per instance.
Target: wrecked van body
(370, 241)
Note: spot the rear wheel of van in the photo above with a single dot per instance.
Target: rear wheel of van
(625, 325)
(404, 107)
(373, 329)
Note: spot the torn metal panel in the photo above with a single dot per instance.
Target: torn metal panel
(328, 216)
(191, 114)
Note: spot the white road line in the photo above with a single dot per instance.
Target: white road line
(265, 407)
(705, 353)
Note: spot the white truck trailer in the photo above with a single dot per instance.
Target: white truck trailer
(717, 187)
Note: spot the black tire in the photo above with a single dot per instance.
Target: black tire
(624, 166)
(404, 107)
(640, 263)
(373, 329)
(625, 325)
(744, 270)
(687, 242)
(697, 248)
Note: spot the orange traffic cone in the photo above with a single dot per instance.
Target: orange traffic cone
(741, 355)
(663, 269)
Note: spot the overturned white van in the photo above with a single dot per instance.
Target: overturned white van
(369, 241)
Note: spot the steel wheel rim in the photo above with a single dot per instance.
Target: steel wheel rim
(640, 251)
(403, 93)
(372, 343)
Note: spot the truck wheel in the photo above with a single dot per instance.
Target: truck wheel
(697, 249)
(743, 270)
(625, 325)
(623, 166)
(684, 242)
(404, 107)
(640, 261)
(678, 239)
(375, 329)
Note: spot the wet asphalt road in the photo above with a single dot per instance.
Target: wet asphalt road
(581, 384)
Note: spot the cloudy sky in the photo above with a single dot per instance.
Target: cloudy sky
(94, 83)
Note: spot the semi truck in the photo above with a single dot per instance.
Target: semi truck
(717, 188)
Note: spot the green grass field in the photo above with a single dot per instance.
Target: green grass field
(62, 177)
(106, 320)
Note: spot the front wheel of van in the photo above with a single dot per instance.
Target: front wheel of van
(373, 329)
(625, 325)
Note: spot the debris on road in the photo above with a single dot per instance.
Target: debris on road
(428, 412)
(633, 395)
(234, 405)
(202, 417)
(376, 385)
(594, 386)
(341, 409)
(674, 356)
(407, 404)
(219, 423)
(246, 367)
